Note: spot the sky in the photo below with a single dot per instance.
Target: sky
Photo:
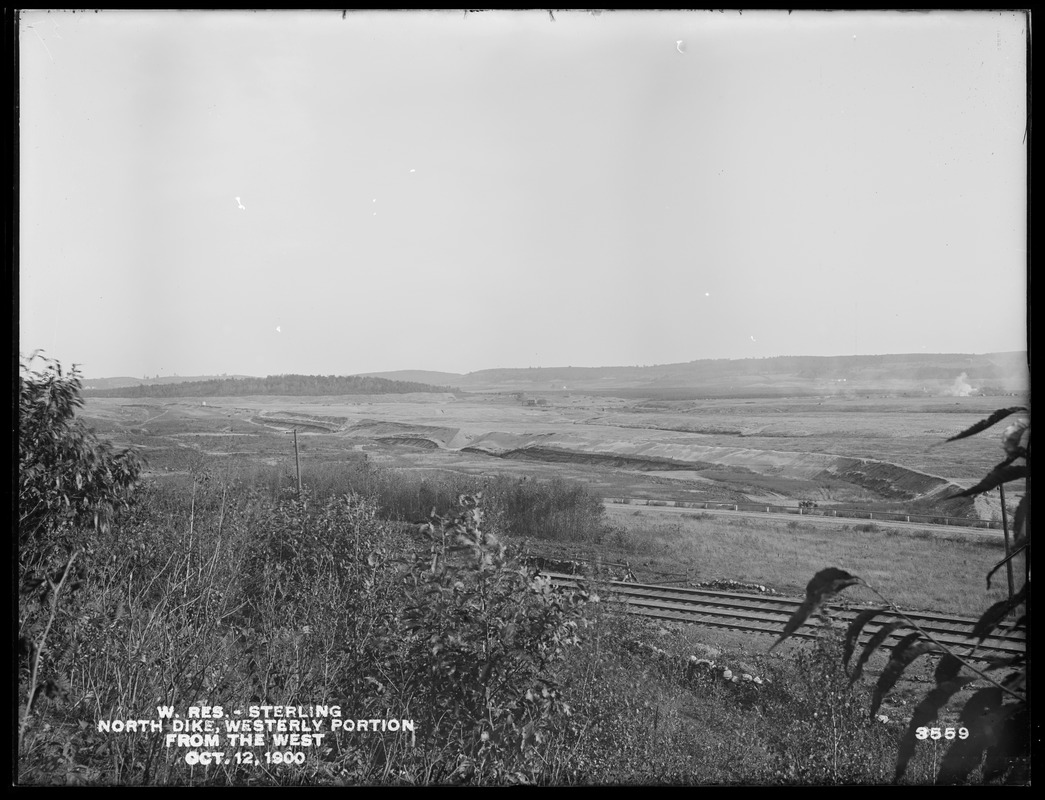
(261, 193)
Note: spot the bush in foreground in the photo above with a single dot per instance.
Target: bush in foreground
(69, 481)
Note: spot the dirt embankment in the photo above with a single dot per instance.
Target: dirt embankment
(401, 433)
(557, 455)
(899, 483)
(750, 471)
(295, 422)
(887, 480)
(881, 479)
(410, 441)
(317, 422)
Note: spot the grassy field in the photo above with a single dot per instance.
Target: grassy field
(921, 571)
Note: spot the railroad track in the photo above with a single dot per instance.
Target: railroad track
(768, 615)
(821, 516)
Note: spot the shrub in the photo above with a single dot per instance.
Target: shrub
(558, 510)
(319, 598)
(823, 734)
(484, 635)
(221, 593)
(69, 482)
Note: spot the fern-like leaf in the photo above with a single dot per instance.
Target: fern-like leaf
(964, 755)
(905, 651)
(1012, 439)
(876, 640)
(1019, 522)
(926, 712)
(1001, 662)
(826, 583)
(852, 634)
(1011, 742)
(986, 423)
(996, 613)
(1018, 623)
(947, 669)
(1016, 681)
(1003, 562)
(1003, 473)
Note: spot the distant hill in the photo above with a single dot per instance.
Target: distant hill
(293, 385)
(419, 376)
(122, 383)
(927, 374)
(917, 373)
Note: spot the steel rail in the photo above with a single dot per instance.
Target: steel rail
(768, 615)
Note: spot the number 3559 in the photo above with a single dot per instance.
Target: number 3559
(942, 733)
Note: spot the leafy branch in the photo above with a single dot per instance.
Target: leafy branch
(943, 648)
(998, 741)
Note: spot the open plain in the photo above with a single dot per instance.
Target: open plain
(871, 451)
(874, 453)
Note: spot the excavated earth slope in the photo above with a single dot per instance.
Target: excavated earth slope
(880, 478)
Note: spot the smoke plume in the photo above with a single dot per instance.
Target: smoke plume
(960, 388)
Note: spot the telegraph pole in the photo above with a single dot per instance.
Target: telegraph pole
(297, 461)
